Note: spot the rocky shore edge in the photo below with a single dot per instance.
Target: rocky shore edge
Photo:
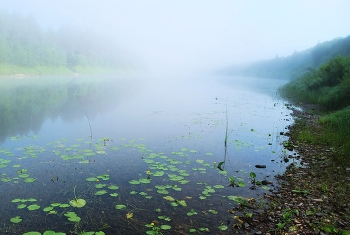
(312, 195)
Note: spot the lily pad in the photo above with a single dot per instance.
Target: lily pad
(165, 227)
(100, 192)
(29, 180)
(33, 207)
(120, 207)
(16, 220)
(77, 203)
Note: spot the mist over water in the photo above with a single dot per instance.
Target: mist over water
(118, 131)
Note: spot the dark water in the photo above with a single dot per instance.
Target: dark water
(166, 134)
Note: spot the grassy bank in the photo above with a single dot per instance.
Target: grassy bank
(316, 192)
(329, 88)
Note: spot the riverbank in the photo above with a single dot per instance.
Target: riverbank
(20, 71)
(313, 195)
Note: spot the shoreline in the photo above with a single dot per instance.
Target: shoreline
(302, 203)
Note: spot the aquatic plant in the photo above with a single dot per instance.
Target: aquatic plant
(77, 202)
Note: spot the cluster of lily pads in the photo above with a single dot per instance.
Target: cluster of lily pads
(164, 176)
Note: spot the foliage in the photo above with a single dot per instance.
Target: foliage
(329, 85)
(26, 48)
(296, 64)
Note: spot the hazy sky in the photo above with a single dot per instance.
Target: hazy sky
(199, 34)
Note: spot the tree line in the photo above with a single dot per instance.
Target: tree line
(295, 65)
(24, 43)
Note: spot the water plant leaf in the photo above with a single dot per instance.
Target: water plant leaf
(213, 212)
(120, 207)
(51, 232)
(100, 185)
(16, 219)
(220, 165)
(191, 212)
(165, 227)
(29, 180)
(114, 194)
(91, 179)
(169, 198)
(77, 203)
(182, 202)
(252, 175)
(223, 227)
(100, 192)
(21, 206)
(49, 208)
(100, 233)
(218, 186)
(241, 184)
(32, 233)
(162, 191)
(33, 207)
(145, 181)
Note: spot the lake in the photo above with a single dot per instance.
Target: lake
(137, 155)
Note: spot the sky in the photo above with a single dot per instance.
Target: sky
(198, 35)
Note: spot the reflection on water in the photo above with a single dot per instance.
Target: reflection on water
(152, 163)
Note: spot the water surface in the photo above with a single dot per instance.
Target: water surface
(125, 143)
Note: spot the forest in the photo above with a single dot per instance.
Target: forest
(295, 65)
(28, 49)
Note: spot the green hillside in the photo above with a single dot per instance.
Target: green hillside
(296, 64)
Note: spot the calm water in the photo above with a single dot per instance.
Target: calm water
(125, 144)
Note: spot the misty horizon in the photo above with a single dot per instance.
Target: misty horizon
(197, 36)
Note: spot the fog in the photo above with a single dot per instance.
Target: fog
(197, 35)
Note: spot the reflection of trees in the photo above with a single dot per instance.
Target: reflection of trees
(26, 104)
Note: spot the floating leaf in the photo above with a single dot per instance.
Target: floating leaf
(49, 208)
(182, 202)
(218, 186)
(32, 233)
(145, 181)
(169, 198)
(241, 184)
(77, 203)
(100, 192)
(114, 194)
(16, 219)
(165, 227)
(192, 212)
(33, 207)
(213, 212)
(223, 227)
(92, 179)
(120, 207)
(29, 180)
(100, 185)
(21, 206)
